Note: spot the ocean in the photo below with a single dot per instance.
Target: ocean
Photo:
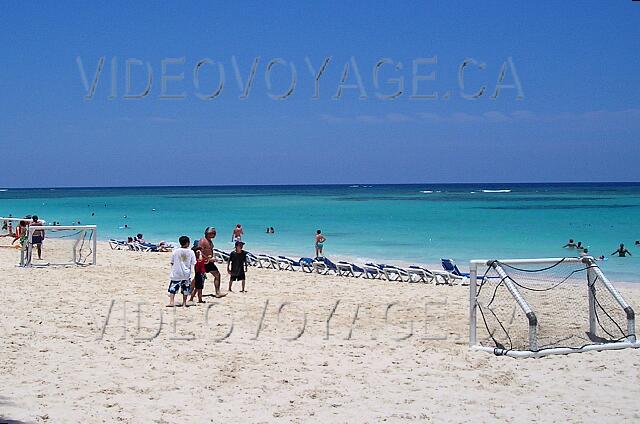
(402, 224)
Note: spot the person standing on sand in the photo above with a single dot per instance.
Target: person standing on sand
(182, 260)
(200, 275)
(320, 239)
(38, 235)
(237, 234)
(237, 265)
(206, 245)
(622, 251)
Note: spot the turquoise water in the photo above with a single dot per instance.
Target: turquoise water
(405, 223)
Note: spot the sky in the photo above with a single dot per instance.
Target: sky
(412, 92)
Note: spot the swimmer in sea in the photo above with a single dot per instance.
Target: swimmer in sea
(622, 251)
(570, 244)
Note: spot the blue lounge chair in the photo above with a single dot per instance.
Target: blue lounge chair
(118, 244)
(449, 266)
(347, 269)
(372, 271)
(306, 265)
(395, 273)
(438, 277)
(252, 260)
(288, 264)
(267, 261)
(324, 266)
(390, 272)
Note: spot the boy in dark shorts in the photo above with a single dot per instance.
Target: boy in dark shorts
(200, 275)
(237, 265)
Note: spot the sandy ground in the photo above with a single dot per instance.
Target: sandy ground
(87, 345)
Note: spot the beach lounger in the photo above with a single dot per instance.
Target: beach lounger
(418, 274)
(395, 273)
(324, 266)
(252, 260)
(138, 247)
(389, 272)
(220, 256)
(347, 269)
(372, 271)
(288, 264)
(431, 276)
(306, 265)
(267, 261)
(118, 245)
(449, 266)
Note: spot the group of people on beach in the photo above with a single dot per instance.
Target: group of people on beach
(200, 259)
(621, 251)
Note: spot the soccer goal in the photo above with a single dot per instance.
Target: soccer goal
(537, 307)
(60, 245)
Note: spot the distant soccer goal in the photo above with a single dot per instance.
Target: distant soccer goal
(60, 245)
(538, 307)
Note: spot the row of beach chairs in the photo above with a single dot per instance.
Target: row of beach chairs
(324, 266)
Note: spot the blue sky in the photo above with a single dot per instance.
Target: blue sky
(577, 67)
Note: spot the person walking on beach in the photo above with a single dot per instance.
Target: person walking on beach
(182, 260)
(320, 239)
(38, 235)
(237, 233)
(237, 266)
(622, 251)
(206, 244)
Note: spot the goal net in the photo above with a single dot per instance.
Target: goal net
(537, 307)
(59, 245)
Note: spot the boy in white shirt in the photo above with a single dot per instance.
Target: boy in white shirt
(182, 261)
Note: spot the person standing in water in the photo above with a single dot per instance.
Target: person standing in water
(622, 251)
(237, 234)
(320, 239)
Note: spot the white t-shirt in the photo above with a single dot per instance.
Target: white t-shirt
(182, 260)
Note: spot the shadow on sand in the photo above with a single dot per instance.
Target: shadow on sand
(6, 420)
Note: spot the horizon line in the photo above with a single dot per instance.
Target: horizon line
(324, 185)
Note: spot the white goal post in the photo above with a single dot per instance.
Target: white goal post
(77, 239)
(536, 307)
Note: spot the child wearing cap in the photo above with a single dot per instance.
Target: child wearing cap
(237, 266)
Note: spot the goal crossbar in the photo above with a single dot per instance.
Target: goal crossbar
(594, 273)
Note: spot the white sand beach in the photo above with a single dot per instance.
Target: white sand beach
(62, 364)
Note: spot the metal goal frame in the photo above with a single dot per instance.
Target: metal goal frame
(27, 250)
(592, 271)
